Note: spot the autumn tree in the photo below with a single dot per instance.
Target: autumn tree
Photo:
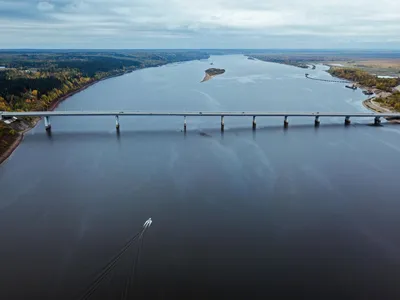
(3, 104)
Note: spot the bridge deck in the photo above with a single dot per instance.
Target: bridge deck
(182, 113)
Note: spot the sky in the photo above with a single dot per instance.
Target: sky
(173, 24)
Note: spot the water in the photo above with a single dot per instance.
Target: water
(303, 212)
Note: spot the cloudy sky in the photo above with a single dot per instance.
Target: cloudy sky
(200, 24)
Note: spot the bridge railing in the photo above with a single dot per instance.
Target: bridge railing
(316, 115)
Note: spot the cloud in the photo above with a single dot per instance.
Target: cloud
(200, 23)
(45, 6)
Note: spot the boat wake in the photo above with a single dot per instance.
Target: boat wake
(93, 287)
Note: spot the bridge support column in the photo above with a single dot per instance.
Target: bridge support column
(347, 121)
(377, 121)
(286, 122)
(184, 123)
(47, 123)
(254, 123)
(117, 122)
(317, 121)
(222, 123)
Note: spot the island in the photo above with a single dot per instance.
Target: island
(212, 72)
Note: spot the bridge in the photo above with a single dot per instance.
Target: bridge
(317, 115)
(327, 80)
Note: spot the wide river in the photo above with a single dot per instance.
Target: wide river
(304, 212)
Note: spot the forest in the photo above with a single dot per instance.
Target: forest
(365, 79)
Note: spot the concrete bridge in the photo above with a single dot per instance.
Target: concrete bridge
(317, 115)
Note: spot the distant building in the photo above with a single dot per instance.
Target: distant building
(33, 70)
(9, 120)
(386, 76)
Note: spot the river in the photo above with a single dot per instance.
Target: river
(304, 212)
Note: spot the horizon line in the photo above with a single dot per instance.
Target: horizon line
(214, 49)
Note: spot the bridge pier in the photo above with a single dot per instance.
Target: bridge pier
(377, 121)
(347, 121)
(47, 123)
(117, 122)
(254, 123)
(317, 121)
(184, 123)
(222, 123)
(286, 122)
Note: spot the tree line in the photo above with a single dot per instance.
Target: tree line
(365, 79)
(393, 101)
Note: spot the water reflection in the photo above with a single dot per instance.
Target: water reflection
(49, 134)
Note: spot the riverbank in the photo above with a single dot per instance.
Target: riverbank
(372, 105)
(368, 103)
(376, 107)
(6, 153)
(55, 103)
(369, 87)
(10, 149)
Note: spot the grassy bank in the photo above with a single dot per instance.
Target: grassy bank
(392, 102)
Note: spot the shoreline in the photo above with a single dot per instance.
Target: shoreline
(11, 148)
(369, 103)
(375, 107)
(207, 77)
(14, 145)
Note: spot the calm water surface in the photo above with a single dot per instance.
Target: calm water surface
(303, 212)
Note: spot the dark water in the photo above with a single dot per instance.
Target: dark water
(304, 212)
